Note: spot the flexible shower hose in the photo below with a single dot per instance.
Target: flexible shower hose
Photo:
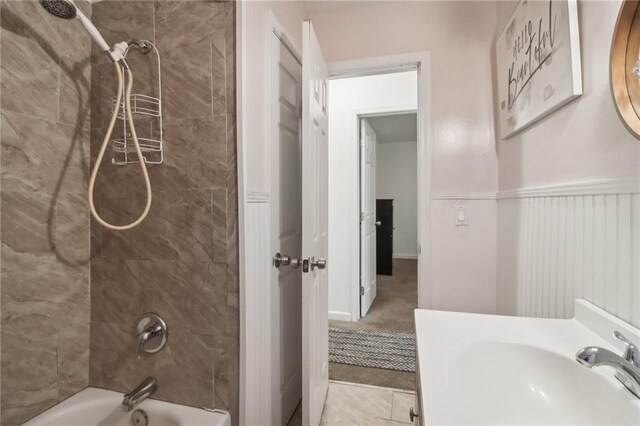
(103, 148)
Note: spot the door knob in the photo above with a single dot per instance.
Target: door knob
(378, 223)
(319, 263)
(285, 260)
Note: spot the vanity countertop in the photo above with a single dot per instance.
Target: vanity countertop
(491, 369)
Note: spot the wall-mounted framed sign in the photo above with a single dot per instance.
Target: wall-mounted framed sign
(538, 62)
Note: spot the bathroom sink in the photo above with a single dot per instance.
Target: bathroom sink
(489, 369)
(528, 385)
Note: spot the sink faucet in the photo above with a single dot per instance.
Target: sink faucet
(627, 365)
(140, 393)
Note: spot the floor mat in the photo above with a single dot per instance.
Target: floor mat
(371, 348)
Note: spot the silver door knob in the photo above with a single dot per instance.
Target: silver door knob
(319, 263)
(378, 223)
(281, 260)
(285, 260)
(295, 263)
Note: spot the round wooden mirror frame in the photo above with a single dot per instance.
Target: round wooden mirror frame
(625, 49)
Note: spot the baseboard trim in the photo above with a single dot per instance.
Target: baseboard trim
(339, 316)
(622, 185)
(405, 256)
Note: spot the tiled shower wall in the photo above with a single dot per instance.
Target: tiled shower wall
(45, 77)
(181, 262)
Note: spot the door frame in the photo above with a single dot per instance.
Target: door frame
(360, 114)
(254, 256)
(420, 61)
(255, 259)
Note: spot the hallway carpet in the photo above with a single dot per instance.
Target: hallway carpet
(392, 310)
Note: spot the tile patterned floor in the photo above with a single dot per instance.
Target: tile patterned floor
(355, 404)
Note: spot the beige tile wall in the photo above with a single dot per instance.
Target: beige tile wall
(45, 80)
(181, 262)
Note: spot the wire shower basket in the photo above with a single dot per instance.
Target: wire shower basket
(145, 109)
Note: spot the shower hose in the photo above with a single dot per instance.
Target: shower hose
(103, 148)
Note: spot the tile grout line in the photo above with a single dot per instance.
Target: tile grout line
(363, 385)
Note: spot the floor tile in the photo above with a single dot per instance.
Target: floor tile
(402, 402)
(355, 404)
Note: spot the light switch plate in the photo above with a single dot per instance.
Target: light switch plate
(461, 216)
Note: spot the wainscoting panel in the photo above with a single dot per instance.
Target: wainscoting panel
(256, 338)
(554, 249)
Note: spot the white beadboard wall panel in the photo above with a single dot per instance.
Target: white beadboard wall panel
(553, 249)
(257, 336)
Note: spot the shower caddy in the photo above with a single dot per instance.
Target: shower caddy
(142, 106)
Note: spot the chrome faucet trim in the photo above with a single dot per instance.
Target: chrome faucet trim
(146, 335)
(626, 366)
(143, 391)
(150, 326)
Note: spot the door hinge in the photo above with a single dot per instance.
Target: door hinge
(361, 291)
(361, 216)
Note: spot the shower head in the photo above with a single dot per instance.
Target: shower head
(63, 9)
(66, 9)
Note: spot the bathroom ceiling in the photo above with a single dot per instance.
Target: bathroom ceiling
(395, 128)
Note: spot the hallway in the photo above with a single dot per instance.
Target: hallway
(392, 310)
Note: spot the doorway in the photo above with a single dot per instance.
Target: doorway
(259, 324)
(388, 194)
(373, 158)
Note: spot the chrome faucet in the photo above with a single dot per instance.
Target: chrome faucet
(626, 366)
(149, 333)
(140, 393)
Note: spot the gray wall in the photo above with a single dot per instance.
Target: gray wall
(181, 261)
(397, 179)
(45, 223)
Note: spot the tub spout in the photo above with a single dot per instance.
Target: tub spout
(140, 393)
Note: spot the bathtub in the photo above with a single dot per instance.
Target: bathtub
(100, 407)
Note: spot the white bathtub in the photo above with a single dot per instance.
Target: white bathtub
(100, 407)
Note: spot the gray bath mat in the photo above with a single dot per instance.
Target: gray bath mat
(370, 348)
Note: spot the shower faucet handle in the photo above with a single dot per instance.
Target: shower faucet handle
(151, 327)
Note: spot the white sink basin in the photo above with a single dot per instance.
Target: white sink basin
(485, 369)
(528, 385)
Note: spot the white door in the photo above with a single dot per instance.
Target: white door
(286, 229)
(367, 216)
(315, 323)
